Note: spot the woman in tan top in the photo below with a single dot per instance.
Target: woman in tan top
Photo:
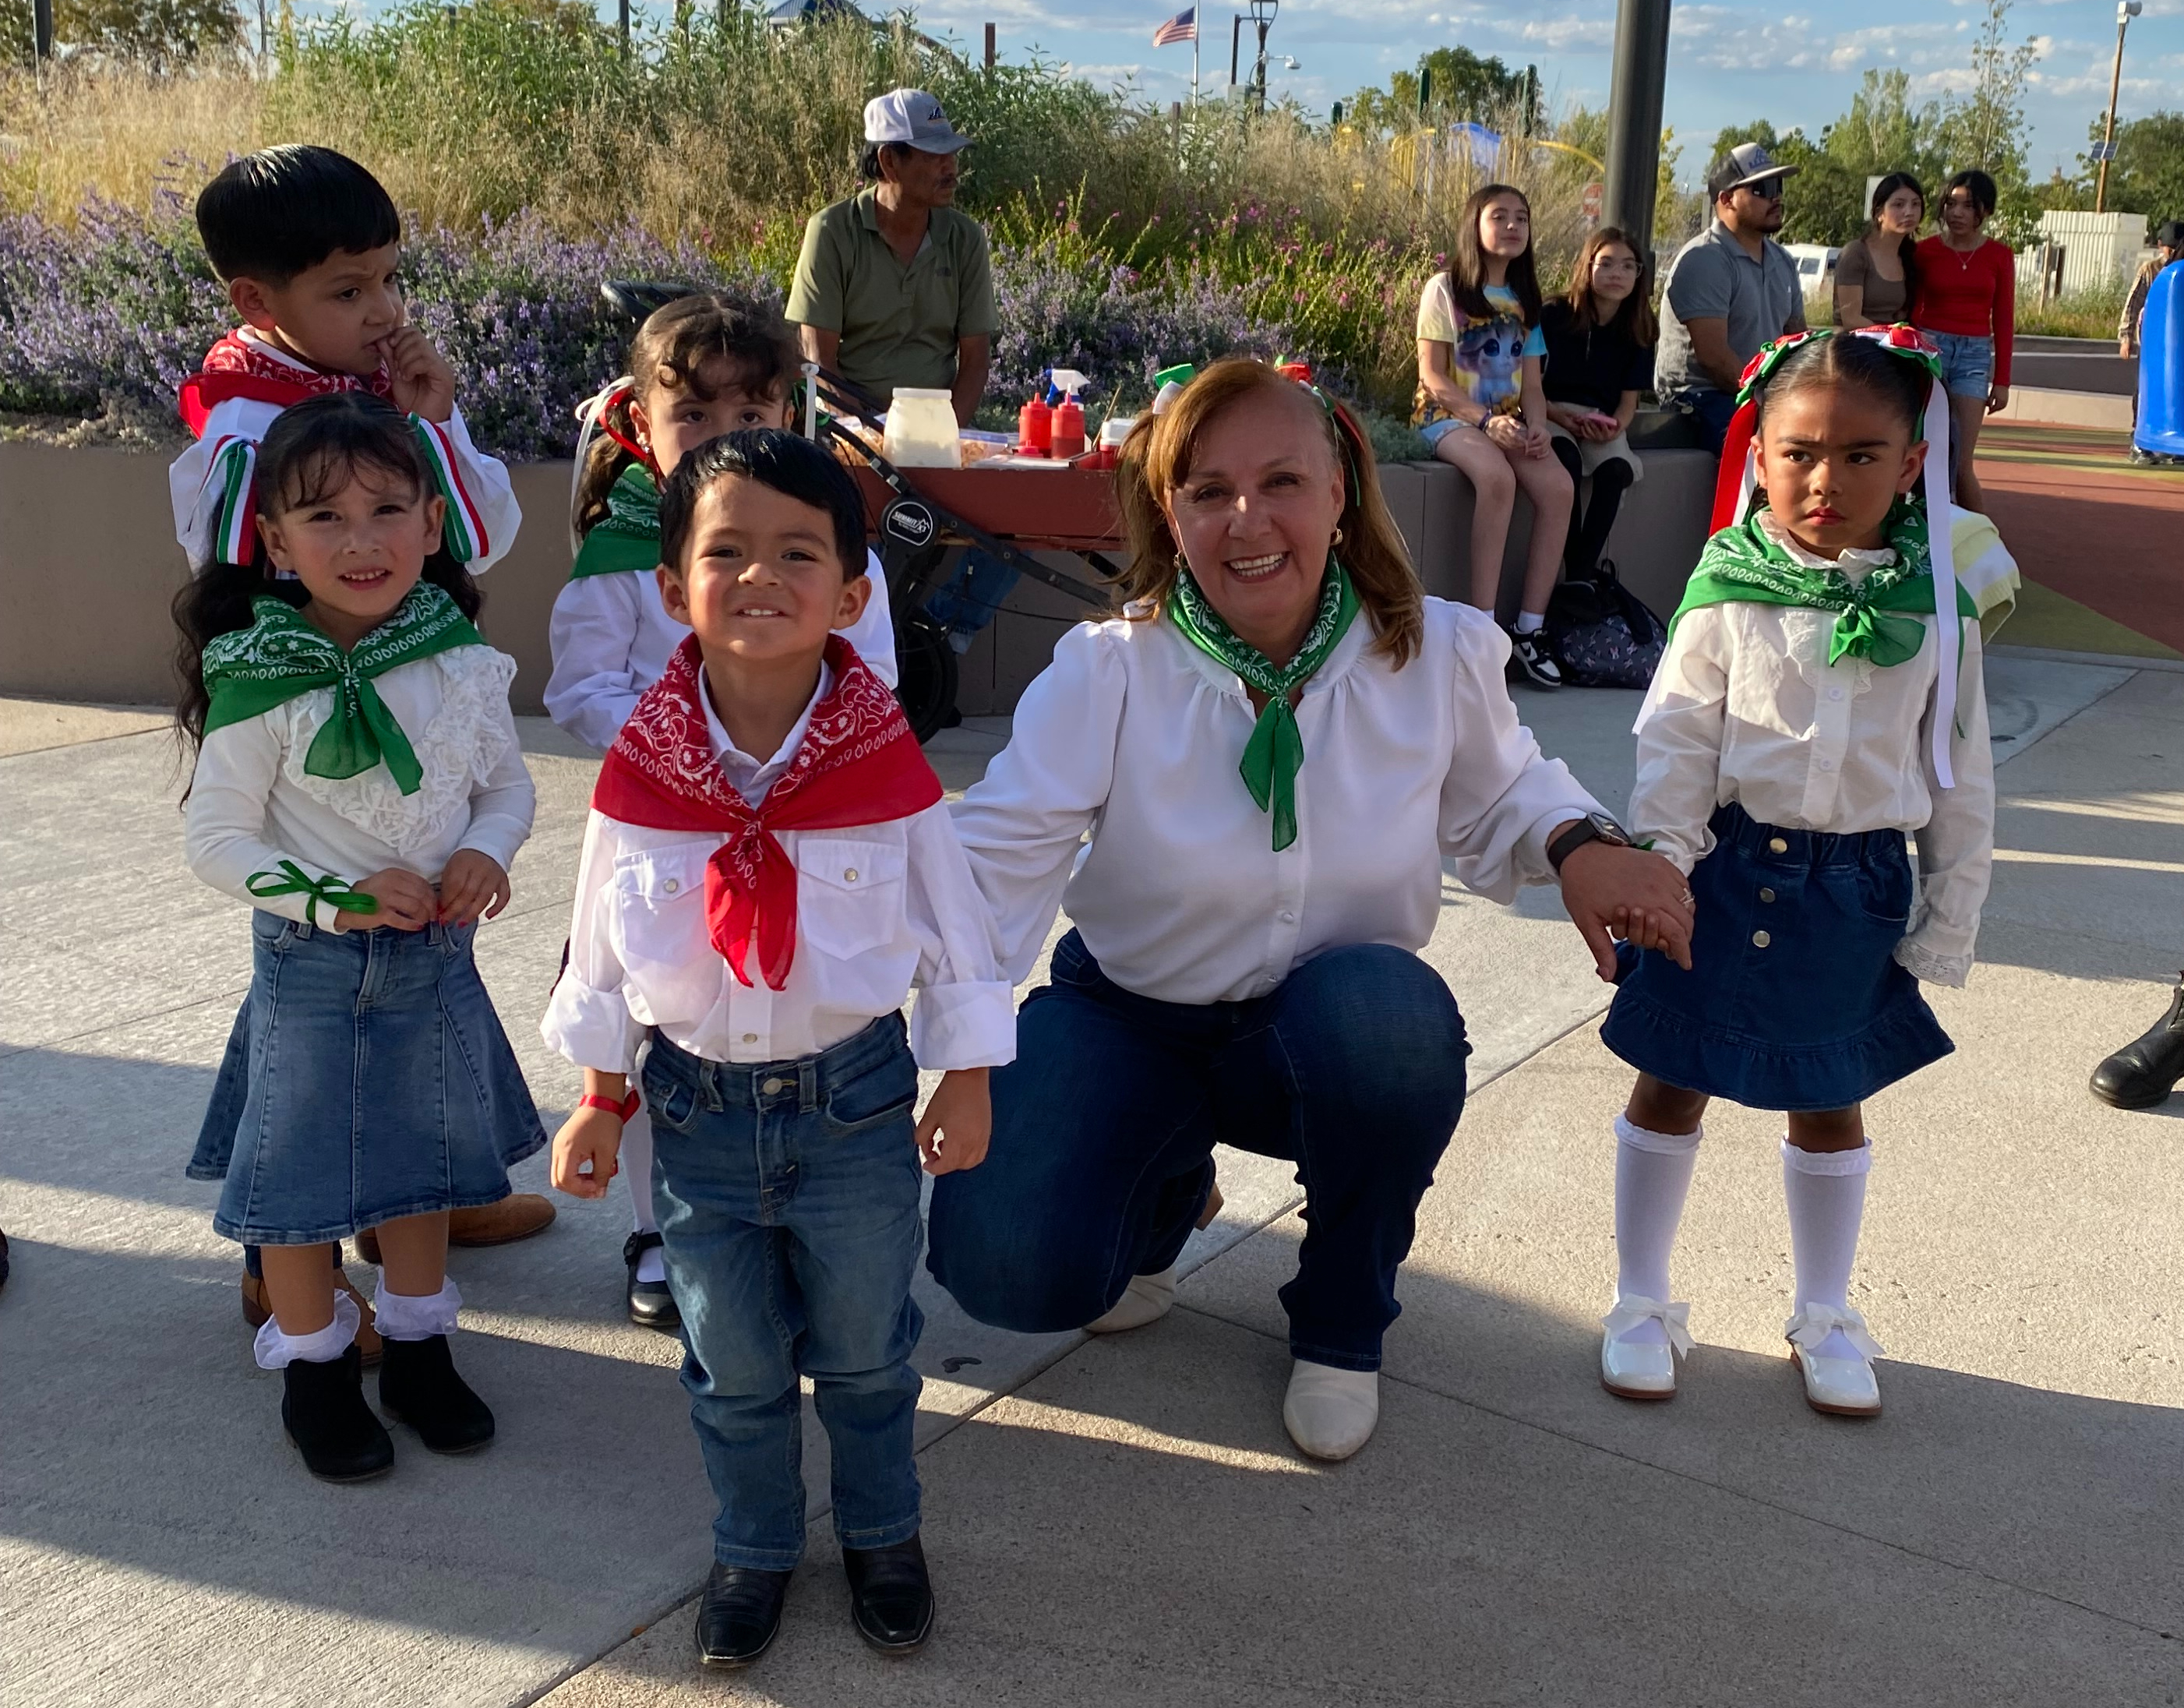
(1876, 278)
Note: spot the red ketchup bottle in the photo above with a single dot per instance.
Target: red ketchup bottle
(1035, 428)
(1068, 431)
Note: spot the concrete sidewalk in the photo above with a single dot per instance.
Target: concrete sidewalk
(1125, 1519)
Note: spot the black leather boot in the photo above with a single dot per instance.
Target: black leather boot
(740, 1614)
(322, 1408)
(650, 1303)
(2144, 1072)
(418, 1386)
(890, 1596)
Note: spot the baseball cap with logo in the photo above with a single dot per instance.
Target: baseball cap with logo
(912, 117)
(1747, 163)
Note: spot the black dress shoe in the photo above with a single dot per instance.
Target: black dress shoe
(739, 1615)
(890, 1596)
(650, 1304)
(2144, 1072)
(322, 1408)
(418, 1386)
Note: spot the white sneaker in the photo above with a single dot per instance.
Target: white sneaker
(1146, 1299)
(1644, 1368)
(1834, 1352)
(1331, 1413)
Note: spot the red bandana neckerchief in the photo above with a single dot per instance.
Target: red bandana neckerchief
(859, 764)
(242, 367)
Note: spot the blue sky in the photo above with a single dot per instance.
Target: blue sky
(1728, 62)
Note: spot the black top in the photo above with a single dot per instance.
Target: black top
(1589, 364)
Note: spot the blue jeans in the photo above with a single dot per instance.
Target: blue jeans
(788, 1199)
(1966, 365)
(1711, 410)
(1105, 1124)
(966, 602)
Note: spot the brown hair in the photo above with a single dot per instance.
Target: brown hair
(1635, 316)
(1158, 457)
(1467, 261)
(670, 354)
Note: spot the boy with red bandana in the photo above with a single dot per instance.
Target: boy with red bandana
(755, 924)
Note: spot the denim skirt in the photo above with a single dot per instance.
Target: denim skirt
(367, 1077)
(1795, 999)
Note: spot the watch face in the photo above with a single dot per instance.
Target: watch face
(1609, 831)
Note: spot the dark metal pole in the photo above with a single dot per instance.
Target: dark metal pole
(1259, 70)
(989, 47)
(1634, 118)
(1235, 36)
(41, 28)
(624, 27)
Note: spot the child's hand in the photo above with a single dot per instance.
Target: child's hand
(1642, 895)
(585, 1152)
(957, 1125)
(1506, 431)
(424, 384)
(473, 887)
(406, 902)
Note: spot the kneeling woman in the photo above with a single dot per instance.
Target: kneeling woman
(1271, 748)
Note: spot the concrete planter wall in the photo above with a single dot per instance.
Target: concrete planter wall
(89, 568)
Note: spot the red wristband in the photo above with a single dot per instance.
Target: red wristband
(626, 1107)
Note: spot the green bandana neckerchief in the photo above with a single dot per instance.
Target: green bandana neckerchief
(627, 537)
(1275, 752)
(280, 656)
(1877, 617)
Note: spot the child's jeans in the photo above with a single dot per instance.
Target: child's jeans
(788, 1195)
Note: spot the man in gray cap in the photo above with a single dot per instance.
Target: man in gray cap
(1730, 290)
(894, 287)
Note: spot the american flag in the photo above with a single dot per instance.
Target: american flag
(1183, 27)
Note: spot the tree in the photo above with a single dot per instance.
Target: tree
(1985, 129)
(1462, 86)
(2147, 176)
(160, 34)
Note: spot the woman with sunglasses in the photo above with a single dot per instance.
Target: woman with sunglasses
(1967, 305)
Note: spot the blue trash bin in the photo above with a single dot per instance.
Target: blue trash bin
(2160, 429)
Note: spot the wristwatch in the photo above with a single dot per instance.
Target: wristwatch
(1594, 827)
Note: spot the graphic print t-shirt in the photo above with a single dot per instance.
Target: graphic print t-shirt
(1487, 356)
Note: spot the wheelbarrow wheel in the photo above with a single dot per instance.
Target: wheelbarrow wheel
(926, 664)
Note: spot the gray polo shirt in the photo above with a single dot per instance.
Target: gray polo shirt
(1714, 277)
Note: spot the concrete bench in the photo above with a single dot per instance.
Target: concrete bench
(89, 568)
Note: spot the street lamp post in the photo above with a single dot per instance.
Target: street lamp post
(2126, 11)
(1641, 79)
(1262, 16)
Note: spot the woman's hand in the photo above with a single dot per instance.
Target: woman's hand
(406, 901)
(958, 1123)
(585, 1150)
(1642, 896)
(472, 887)
(1998, 400)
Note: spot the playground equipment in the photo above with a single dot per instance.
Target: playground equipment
(2160, 429)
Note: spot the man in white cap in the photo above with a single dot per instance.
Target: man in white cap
(1730, 290)
(894, 287)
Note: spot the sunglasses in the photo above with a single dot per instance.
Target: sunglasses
(1767, 189)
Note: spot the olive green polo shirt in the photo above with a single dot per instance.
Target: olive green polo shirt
(899, 324)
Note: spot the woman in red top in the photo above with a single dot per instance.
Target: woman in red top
(1967, 304)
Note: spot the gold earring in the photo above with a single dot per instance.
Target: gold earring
(1337, 541)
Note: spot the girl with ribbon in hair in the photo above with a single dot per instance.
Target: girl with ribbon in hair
(702, 365)
(768, 870)
(1242, 787)
(1821, 695)
(358, 781)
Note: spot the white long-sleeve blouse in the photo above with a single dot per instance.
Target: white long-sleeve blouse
(1134, 735)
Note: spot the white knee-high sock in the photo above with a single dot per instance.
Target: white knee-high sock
(635, 1164)
(1826, 1192)
(1652, 1177)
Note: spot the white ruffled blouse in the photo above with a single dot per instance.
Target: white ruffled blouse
(251, 805)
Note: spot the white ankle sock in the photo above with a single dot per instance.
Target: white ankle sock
(635, 1165)
(1530, 621)
(1826, 1192)
(275, 1350)
(415, 1316)
(1652, 1176)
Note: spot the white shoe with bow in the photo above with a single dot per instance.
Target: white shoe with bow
(1636, 1363)
(1834, 1352)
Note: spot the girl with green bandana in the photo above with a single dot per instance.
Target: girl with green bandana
(1820, 697)
(360, 784)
